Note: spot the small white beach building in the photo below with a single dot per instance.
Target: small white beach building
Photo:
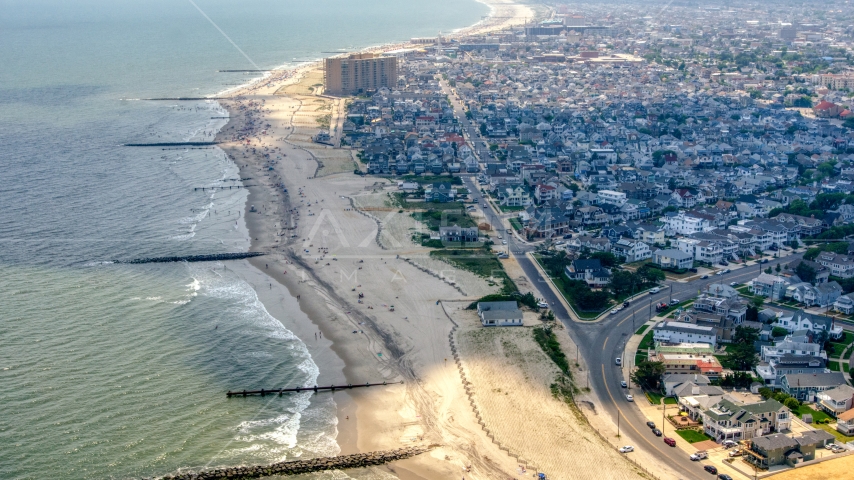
(499, 314)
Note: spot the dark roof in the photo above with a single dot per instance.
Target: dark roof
(589, 264)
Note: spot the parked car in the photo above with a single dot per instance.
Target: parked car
(732, 284)
(674, 301)
(719, 272)
(692, 270)
(711, 469)
(704, 277)
(728, 443)
(764, 260)
(627, 449)
(654, 290)
(542, 304)
(614, 311)
(618, 361)
(724, 476)
(568, 235)
(669, 441)
(625, 304)
(736, 453)
(624, 384)
(726, 270)
(724, 263)
(656, 432)
(630, 398)
(697, 456)
(650, 424)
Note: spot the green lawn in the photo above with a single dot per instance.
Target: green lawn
(847, 339)
(833, 366)
(505, 208)
(655, 398)
(840, 437)
(639, 357)
(816, 415)
(647, 341)
(516, 224)
(693, 436)
(482, 264)
(435, 218)
(642, 329)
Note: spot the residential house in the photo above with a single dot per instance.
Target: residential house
(458, 234)
(672, 258)
(677, 380)
(685, 223)
(776, 368)
(770, 286)
(679, 332)
(440, 192)
(844, 304)
(845, 422)
(836, 400)
(704, 364)
(736, 421)
(585, 242)
(781, 449)
(841, 266)
(631, 250)
(701, 250)
(801, 320)
(805, 386)
(590, 271)
(499, 314)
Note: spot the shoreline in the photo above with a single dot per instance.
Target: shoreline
(322, 308)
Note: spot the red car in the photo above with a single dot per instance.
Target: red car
(670, 441)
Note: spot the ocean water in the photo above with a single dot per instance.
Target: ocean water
(112, 370)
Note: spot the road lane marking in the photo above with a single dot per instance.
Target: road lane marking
(603, 349)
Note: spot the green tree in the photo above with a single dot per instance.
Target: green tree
(766, 392)
(650, 274)
(805, 272)
(574, 187)
(623, 283)
(607, 259)
(648, 374)
(741, 354)
(792, 403)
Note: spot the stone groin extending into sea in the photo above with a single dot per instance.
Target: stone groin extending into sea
(296, 467)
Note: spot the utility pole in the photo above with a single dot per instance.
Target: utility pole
(618, 423)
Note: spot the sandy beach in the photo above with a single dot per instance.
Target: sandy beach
(357, 292)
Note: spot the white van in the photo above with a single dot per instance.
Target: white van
(654, 290)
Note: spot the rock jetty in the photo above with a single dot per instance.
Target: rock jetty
(297, 467)
(196, 258)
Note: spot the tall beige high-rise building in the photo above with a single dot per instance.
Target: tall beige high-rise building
(360, 72)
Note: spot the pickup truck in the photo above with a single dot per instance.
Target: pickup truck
(696, 457)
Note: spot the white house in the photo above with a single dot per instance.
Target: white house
(804, 321)
(680, 332)
(685, 224)
(499, 314)
(633, 250)
(612, 197)
(672, 258)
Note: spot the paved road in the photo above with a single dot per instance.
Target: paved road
(470, 130)
(600, 343)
